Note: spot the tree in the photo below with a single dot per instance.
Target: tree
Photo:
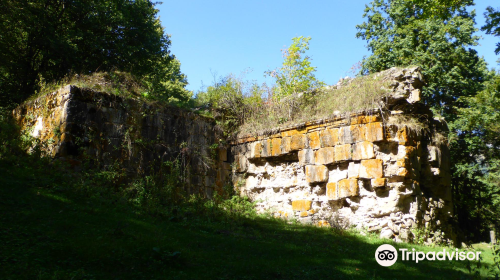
(477, 150)
(437, 35)
(45, 40)
(492, 25)
(407, 32)
(296, 75)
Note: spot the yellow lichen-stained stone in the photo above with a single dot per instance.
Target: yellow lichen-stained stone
(348, 187)
(301, 205)
(324, 155)
(275, 147)
(314, 141)
(329, 137)
(286, 145)
(298, 142)
(323, 223)
(331, 191)
(358, 133)
(378, 182)
(343, 152)
(374, 132)
(371, 168)
(363, 150)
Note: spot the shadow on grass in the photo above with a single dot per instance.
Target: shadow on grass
(51, 233)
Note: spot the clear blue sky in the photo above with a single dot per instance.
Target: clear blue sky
(224, 37)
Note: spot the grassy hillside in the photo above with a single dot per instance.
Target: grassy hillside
(51, 229)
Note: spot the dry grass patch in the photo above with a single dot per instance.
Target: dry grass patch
(359, 95)
(115, 82)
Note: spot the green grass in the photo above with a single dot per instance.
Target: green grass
(50, 231)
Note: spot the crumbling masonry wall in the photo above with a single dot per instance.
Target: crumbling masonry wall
(358, 169)
(79, 126)
(361, 169)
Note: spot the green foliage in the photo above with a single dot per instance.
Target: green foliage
(230, 101)
(495, 268)
(241, 107)
(492, 25)
(296, 75)
(47, 40)
(476, 145)
(429, 34)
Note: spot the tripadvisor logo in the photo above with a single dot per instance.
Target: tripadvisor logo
(387, 255)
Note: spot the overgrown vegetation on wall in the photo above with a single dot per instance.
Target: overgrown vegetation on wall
(245, 107)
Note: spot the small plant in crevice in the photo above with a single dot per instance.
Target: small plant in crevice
(338, 223)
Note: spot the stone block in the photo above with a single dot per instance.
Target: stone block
(345, 136)
(378, 182)
(343, 152)
(314, 141)
(363, 150)
(323, 223)
(226, 166)
(316, 173)
(374, 132)
(403, 172)
(353, 170)
(222, 154)
(255, 149)
(298, 142)
(324, 155)
(293, 132)
(286, 145)
(275, 147)
(371, 169)
(329, 137)
(358, 132)
(241, 163)
(331, 191)
(306, 156)
(347, 188)
(301, 205)
(365, 119)
(266, 148)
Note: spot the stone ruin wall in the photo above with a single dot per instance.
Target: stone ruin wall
(358, 170)
(80, 126)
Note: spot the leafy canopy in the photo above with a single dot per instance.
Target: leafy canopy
(46, 40)
(492, 25)
(296, 74)
(431, 34)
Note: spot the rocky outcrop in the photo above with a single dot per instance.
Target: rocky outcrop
(79, 125)
(364, 169)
